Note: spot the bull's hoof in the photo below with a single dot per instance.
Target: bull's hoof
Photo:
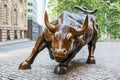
(60, 69)
(24, 65)
(91, 61)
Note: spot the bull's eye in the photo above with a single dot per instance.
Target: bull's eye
(56, 36)
(69, 37)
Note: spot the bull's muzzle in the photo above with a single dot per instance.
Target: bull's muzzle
(60, 54)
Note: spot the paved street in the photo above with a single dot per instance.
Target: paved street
(107, 65)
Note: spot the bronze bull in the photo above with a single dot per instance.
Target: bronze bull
(65, 37)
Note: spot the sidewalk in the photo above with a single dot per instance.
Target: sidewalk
(14, 41)
(107, 67)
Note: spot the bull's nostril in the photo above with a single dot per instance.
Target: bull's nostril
(56, 55)
(64, 51)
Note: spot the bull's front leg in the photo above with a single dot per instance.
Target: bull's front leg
(39, 45)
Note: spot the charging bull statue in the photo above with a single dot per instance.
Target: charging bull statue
(65, 37)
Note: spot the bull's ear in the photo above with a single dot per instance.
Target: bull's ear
(83, 29)
(48, 25)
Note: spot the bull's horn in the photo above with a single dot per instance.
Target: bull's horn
(83, 29)
(48, 25)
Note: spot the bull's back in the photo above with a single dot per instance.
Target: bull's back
(77, 21)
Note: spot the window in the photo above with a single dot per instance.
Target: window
(21, 34)
(15, 34)
(0, 35)
(15, 17)
(8, 34)
(5, 15)
(29, 4)
(29, 10)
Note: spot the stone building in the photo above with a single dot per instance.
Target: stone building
(13, 19)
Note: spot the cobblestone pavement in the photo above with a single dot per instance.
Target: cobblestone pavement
(107, 65)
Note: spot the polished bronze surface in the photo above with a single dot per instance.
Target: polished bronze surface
(64, 37)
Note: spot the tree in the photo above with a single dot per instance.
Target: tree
(108, 14)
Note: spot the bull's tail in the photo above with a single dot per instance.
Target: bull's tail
(84, 9)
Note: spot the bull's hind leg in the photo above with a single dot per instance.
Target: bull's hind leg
(92, 43)
(40, 44)
(91, 48)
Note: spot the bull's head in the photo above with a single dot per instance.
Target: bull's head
(63, 37)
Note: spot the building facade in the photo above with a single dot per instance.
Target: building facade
(34, 29)
(13, 19)
(32, 10)
(42, 7)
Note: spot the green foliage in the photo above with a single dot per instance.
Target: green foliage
(108, 14)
